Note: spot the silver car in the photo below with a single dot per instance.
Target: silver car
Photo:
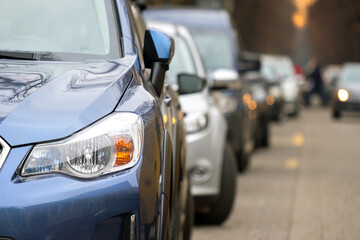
(289, 85)
(211, 162)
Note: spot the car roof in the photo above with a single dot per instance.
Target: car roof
(351, 65)
(180, 30)
(194, 17)
(168, 28)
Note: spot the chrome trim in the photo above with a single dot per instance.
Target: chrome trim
(5, 151)
(133, 227)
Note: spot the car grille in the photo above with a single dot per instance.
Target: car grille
(4, 151)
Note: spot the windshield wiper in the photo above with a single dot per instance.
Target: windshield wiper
(18, 55)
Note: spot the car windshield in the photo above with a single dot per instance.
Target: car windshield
(285, 70)
(215, 48)
(350, 75)
(268, 72)
(59, 30)
(182, 61)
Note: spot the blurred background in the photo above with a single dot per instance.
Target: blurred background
(326, 29)
(304, 184)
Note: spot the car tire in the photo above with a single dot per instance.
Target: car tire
(189, 215)
(295, 113)
(277, 117)
(265, 135)
(243, 160)
(220, 210)
(258, 133)
(336, 114)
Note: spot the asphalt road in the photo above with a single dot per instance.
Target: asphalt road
(306, 186)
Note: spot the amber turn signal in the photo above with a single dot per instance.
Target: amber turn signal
(124, 150)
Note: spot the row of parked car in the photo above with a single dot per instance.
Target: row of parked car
(116, 128)
(248, 89)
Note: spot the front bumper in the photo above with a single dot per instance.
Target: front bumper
(291, 107)
(348, 106)
(61, 207)
(205, 150)
(275, 110)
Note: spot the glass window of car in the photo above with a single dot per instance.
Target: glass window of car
(286, 69)
(138, 26)
(215, 48)
(182, 61)
(268, 72)
(64, 30)
(350, 75)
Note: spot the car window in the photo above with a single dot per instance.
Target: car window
(139, 23)
(182, 61)
(138, 27)
(215, 48)
(350, 75)
(80, 27)
(286, 69)
(268, 72)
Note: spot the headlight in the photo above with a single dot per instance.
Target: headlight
(270, 100)
(343, 95)
(201, 172)
(225, 103)
(252, 105)
(290, 90)
(195, 122)
(110, 145)
(275, 91)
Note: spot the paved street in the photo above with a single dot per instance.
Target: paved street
(305, 187)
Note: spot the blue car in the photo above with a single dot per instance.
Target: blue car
(91, 140)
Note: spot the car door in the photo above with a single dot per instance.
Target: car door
(173, 167)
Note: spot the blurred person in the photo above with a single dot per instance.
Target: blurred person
(316, 82)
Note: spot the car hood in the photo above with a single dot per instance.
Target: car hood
(187, 102)
(351, 87)
(43, 101)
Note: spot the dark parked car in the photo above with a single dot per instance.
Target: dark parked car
(260, 96)
(216, 39)
(275, 97)
(90, 147)
(259, 89)
(346, 95)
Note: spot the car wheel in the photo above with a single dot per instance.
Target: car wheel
(295, 113)
(265, 135)
(243, 159)
(220, 210)
(276, 117)
(258, 134)
(336, 114)
(189, 215)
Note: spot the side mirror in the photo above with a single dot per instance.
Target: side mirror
(189, 83)
(158, 52)
(225, 78)
(248, 65)
(141, 4)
